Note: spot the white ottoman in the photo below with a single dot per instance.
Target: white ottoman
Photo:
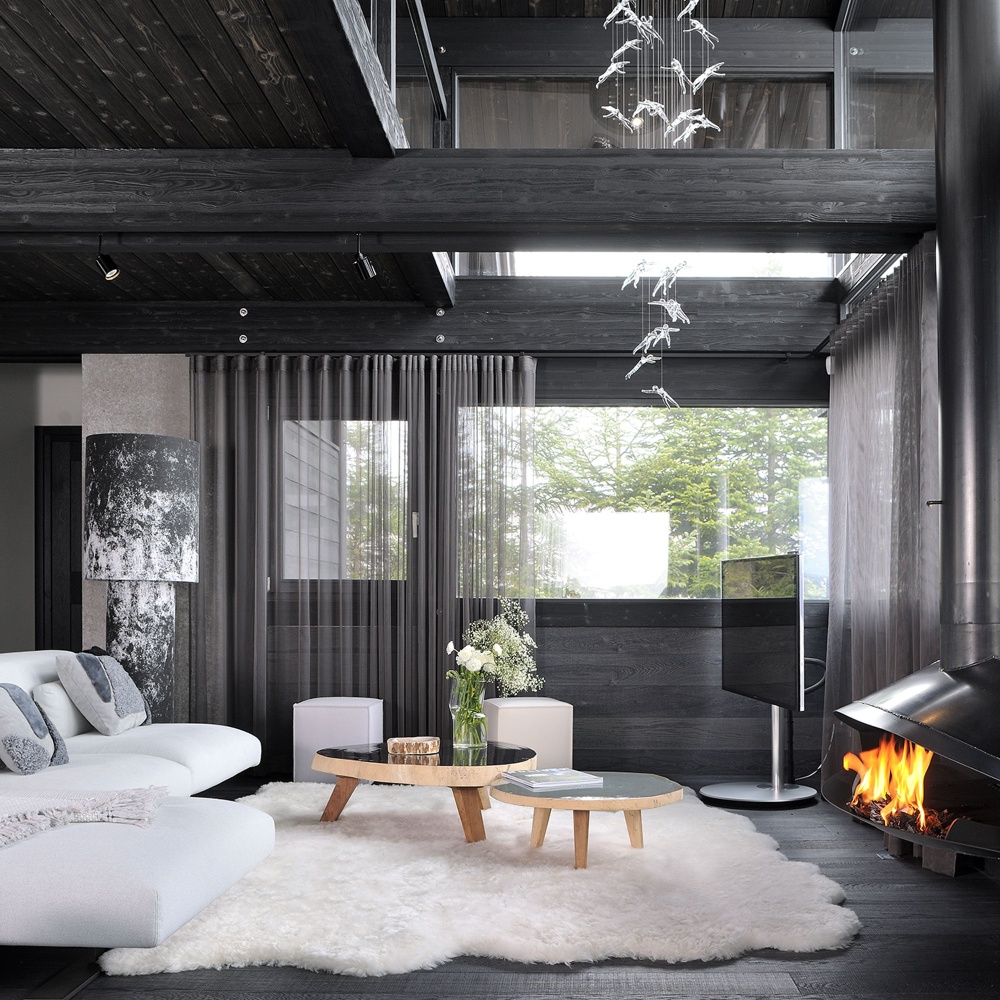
(544, 724)
(331, 722)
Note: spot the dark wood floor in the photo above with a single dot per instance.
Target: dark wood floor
(925, 935)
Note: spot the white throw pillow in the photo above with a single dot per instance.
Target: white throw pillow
(26, 745)
(52, 699)
(103, 692)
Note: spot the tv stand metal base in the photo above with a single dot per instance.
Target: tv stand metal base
(758, 793)
(777, 792)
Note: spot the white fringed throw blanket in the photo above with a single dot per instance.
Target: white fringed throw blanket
(23, 816)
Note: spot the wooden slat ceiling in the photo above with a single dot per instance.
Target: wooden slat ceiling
(153, 74)
(216, 74)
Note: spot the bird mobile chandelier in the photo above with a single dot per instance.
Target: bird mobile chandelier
(660, 61)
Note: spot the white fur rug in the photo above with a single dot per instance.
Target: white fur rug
(393, 886)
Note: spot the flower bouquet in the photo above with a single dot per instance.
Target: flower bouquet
(498, 650)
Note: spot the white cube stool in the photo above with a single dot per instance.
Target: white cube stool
(331, 722)
(544, 724)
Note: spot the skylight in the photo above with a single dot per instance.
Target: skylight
(699, 265)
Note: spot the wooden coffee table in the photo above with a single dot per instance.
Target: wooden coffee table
(466, 772)
(622, 791)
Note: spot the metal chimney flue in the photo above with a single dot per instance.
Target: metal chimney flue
(967, 88)
(951, 707)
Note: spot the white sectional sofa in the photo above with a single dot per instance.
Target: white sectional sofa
(113, 884)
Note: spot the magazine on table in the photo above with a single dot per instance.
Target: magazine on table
(554, 777)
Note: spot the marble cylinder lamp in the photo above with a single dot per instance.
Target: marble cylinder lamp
(141, 535)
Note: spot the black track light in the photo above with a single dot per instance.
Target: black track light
(364, 267)
(108, 267)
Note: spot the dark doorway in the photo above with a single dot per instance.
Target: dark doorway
(58, 537)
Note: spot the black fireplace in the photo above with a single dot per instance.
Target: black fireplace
(953, 707)
(953, 714)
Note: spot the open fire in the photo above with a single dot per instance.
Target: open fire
(889, 788)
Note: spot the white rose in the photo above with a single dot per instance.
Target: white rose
(450, 648)
(498, 649)
(474, 663)
(462, 657)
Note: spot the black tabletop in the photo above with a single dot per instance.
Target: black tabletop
(492, 755)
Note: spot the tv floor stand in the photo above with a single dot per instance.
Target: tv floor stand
(778, 792)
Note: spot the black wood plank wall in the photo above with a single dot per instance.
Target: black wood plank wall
(644, 679)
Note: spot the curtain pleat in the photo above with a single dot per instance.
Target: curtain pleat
(358, 512)
(884, 467)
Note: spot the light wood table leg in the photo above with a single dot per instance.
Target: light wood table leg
(581, 836)
(633, 820)
(342, 791)
(470, 810)
(539, 824)
(484, 797)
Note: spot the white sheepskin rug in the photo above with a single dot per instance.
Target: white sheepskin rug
(393, 886)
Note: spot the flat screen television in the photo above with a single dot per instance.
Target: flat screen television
(763, 646)
(762, 630)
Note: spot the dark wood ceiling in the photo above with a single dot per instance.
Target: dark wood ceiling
(173, 74)
(152, 74)
(240, 76)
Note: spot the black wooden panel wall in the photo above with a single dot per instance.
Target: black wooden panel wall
(644, 679)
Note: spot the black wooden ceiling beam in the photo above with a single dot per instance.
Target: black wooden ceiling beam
(757, 316)
(558, 45)
(828, 200)
(334, 47)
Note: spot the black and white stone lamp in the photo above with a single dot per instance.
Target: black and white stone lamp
(141, 535)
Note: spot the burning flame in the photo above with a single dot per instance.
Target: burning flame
(894, 773)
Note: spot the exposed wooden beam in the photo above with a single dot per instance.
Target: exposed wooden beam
(756, 316)
(830, 200)
(431, 276)
(347, 74)
(333, 45)
(580, 45)
(692, 381)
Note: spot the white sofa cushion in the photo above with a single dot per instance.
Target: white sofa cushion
(102, 771)
(26, 745)
(98, 885)
(211, 753)
(30, 667)
(52, 699)
(103, 691)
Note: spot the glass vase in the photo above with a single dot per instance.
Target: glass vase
(468, 723)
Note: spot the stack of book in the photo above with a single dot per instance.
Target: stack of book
(554, 777)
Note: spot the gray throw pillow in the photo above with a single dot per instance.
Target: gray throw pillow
(26, 745)
(103, 692)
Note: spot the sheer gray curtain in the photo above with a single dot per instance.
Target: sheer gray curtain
(357, 512)
(884, 569)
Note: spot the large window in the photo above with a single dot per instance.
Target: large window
(344, 499)
(645, 502)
